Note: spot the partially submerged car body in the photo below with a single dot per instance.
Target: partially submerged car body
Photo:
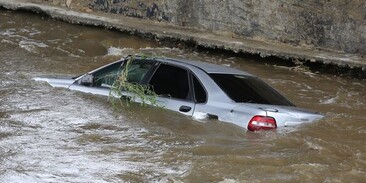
(198, 89)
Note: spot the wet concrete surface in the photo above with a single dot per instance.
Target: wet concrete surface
(56, 135)
(167, 32)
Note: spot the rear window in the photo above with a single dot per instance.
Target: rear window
(248, 89)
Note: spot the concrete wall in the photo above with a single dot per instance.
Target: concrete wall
(325, 24)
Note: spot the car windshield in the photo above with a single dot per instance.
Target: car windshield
(249, 89)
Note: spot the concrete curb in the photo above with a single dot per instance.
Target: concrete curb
(198, 37)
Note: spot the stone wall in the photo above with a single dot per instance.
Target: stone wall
(324, 24)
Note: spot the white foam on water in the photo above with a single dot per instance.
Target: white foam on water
(55, 143)
(200, 116)
(329, 101)
(113, 51)
(8, 32)
(8, 41)
(32, 46)
(17, 177)
(230, 181)
(116, 51)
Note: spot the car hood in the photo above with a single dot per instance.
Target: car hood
(56, 81)
(287, 115)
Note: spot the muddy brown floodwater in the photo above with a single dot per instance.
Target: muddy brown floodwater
(56, 135)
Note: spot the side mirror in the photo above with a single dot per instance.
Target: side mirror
(87, 80)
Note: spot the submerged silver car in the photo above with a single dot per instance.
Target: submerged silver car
(198, 89)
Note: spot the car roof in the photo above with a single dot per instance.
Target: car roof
(206, 67)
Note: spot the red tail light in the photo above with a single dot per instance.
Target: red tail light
(262, 123)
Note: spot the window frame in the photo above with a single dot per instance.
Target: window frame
(192, 75)
(190, 95)
(148, 74)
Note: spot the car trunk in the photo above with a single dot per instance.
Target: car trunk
(287, 115)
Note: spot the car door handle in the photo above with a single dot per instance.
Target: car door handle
(184, 108)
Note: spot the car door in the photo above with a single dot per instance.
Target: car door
(172, 85)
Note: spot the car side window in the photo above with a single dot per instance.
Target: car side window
(137, 70)
(106, 76)
(199, 92)
(171, 81)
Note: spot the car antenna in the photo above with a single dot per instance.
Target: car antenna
(232, 110)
